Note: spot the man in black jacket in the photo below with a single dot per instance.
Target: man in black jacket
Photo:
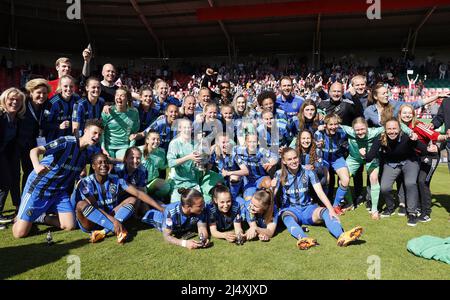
(333, 102)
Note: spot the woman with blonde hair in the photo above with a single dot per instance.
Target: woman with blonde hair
(12, 108)
(58, 115)
(31, 131)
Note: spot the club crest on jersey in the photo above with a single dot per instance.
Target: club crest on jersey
(304, 179)
(53, 144)
(169, 222)
(85, 189)
(30, 212)
(113, 189)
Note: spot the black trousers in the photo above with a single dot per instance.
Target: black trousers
(10, 175)
(428, 165)
(25, 161)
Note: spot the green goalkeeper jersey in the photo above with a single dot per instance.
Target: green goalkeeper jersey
(186, 173)
(118, 127)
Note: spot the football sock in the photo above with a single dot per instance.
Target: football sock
(333, 225)
(96, 216)
(124, 213)
(293, 227)
(375, 195)
(340, 194)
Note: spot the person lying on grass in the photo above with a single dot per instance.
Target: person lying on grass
(179, 219)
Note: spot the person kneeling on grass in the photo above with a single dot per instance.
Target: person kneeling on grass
(180, 218)
(297, 208)
(47, 186)
(98, 210)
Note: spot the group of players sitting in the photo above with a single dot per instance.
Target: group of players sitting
(234, 167)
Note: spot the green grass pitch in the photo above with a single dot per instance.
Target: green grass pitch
(147, 256)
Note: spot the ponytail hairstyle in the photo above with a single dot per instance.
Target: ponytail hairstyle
(208, 106)
(371, 99)
(312, 151)
(58, 89)
(145, 88)
(227, 106)
(360, 120)
(217, 148)
(219, 189)
(388, 110)
(284, 169)
(265, 197)
(188, 196)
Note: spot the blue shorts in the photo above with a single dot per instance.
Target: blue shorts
(336, 164)
(154, 218)
(250, 187)
(304, 214)
(31, 207)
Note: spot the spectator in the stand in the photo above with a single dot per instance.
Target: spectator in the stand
(209, 79)
(288, 101)
(225, 96)
(412, 84)
(442, 70)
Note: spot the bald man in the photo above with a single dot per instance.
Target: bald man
(344, 108)
(108, 83)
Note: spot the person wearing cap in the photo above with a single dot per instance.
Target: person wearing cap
(209, 78)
